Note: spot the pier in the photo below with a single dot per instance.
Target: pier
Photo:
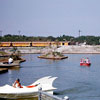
(47, 96)
(3, 70)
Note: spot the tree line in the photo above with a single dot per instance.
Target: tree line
(90, 40)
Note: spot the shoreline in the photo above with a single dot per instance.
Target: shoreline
(71, 49)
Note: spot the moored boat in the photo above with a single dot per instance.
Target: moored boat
(7, 65)
(46, 83)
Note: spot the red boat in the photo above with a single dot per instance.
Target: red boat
(85, 62)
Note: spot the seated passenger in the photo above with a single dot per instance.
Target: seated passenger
(10, 60)
(17, 84)
(87, 60)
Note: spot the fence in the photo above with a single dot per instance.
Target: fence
(46, 96)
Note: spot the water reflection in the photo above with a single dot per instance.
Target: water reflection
(10, 78)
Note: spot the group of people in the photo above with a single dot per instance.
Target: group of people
(85, 60)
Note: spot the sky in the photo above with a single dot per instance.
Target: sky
(50, 17)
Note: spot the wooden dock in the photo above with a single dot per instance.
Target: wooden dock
(3, 70)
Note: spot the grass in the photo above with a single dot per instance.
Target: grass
(3, 53)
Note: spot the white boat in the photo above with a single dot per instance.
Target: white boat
(46, 83)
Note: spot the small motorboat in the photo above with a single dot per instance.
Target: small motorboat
(46, 83)
(85, 62)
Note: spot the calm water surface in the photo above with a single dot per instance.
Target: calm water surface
(77, 82)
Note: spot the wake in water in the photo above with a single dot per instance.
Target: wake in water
(74, 90)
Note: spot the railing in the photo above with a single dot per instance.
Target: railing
(46, 96)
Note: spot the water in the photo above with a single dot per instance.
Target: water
(77, 82)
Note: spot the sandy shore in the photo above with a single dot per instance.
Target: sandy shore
(64, 49)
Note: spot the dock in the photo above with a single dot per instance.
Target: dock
(3, 70)
(47, 96)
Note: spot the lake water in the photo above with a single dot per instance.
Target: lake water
(75, 81)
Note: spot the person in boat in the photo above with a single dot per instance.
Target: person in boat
(87, 60)
(17, 84)
(10, 60)
(82, 60)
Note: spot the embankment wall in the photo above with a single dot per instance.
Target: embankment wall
(63, 49)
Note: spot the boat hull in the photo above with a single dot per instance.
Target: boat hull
(4, 65)
(22, 95)
(16, 96)
(85, 64)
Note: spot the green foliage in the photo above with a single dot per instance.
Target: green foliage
(53, 54)
(91, 40)
(14, 49)
(15, 56)
(57, 54)
(3, 53)
(65, 38)
(51, 38)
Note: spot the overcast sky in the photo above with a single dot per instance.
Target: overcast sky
(50, 17)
